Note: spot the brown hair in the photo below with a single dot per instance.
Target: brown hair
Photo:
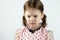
(37, 4)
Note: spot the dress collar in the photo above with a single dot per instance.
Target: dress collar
(32, 31)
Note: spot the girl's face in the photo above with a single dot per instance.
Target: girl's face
(33, 17)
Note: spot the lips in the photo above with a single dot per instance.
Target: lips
(32, 23)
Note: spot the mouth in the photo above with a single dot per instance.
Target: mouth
(32, 23)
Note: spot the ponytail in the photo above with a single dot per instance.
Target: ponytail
(44, 21)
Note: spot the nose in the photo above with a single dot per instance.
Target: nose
(32, 19)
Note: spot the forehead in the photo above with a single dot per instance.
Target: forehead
(32, 12)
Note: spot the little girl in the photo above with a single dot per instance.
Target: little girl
(34, 21)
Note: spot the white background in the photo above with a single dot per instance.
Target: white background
(11, 12)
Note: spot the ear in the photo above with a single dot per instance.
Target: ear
(42, 15)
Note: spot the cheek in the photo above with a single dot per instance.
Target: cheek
(38, 20)
(27, 19)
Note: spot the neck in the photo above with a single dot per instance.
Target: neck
(34, 29)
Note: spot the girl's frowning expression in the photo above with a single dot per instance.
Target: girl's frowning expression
(33, 17)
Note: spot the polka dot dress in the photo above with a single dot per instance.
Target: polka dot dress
(37, 35)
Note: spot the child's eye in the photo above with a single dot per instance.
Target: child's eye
(35, 16)
(29, 16)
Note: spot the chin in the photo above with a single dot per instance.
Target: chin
(32, 25)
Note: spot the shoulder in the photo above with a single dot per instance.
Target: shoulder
(50, 34)
(18, 30)
(18, 34)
